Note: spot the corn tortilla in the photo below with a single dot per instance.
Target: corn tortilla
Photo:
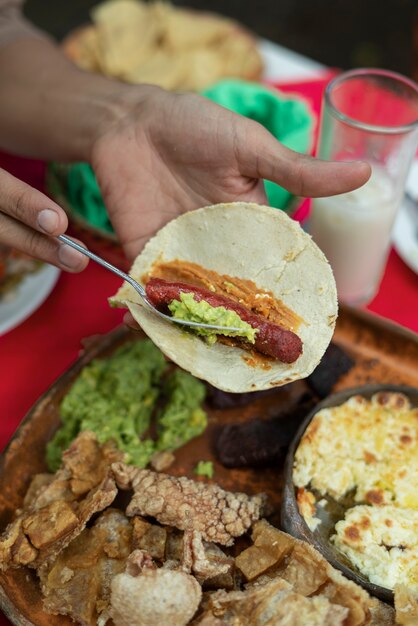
(249, 241)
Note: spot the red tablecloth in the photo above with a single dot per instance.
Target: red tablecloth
(33, 355)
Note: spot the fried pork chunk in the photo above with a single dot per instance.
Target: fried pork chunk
(406, 604)
(276, 555)
(217, 515)
(145, 596)
(273, 603)
(78, 582)
(57, 508)
(206, 560)
(184, 551)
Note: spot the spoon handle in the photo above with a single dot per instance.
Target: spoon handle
(102, 262)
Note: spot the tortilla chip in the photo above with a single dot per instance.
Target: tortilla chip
(158, 43)
(83, 47)
(128, 34)
(162, 69)
(247, 241)
(240, 57)
(204, 67)
(189, 29)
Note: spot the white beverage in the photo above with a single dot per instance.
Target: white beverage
(353, 230)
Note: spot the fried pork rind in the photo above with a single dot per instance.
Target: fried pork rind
(276, 554)
(149, 537)
(217, 515)
(206, 560)
(155, 597)
(57, 510)
(77, 583)
(406, 605)
(273, 603)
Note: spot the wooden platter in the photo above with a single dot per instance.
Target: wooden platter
(383, 353)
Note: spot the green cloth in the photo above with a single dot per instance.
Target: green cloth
(287, 118)
(85, 198)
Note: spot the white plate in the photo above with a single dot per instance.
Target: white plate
(405, 238)
(282, 64)
(405, 232)
(30, 294)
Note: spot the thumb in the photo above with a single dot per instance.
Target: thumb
(298, 173)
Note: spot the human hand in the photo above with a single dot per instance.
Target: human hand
(29, 221)
(171, 153)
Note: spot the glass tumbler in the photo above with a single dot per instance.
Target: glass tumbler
(369, 115)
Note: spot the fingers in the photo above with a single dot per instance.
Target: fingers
(300, 174)
(28, 218)
(130, 322)
(17, 235)
(30, 206)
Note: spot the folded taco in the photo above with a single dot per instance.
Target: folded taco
(239, 265)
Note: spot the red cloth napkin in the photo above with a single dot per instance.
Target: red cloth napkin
(34, 354)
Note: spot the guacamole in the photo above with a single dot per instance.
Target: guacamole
(191, 310)
(117, 398)
(204, 468)
(182, 417)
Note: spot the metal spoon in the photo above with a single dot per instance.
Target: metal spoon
(140, 289)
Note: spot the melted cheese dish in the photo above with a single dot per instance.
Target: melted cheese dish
(368, 447)
(382, 541)
(366, 450)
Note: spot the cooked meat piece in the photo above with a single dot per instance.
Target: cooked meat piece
(161, 460)
(57, 512)
(78, 582)
(189, 505)
(174, 548)
(50, 524)
(273, 604)
(208, 620)
(138, 561)
(305, 570)
(84, 465)
(260, 442)
(38, 483)
(271, 339)
(15, 548)
(382, 614)
(154, 598)
(406, 605)
(196, 558)
(149, 537)
(278, 555)
(334, 364)
(217, 559)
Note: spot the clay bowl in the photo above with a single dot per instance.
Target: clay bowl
(293, 522)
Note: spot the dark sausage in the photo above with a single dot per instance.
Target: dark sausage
(271, 339)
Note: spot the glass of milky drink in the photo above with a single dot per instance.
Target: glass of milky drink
(369, 115)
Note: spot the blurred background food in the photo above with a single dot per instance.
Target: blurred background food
(155, 42)
(337, 33)
(213, 48)
(14, 267)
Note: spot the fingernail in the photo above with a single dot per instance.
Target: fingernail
(48, 221)
(70, 257)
